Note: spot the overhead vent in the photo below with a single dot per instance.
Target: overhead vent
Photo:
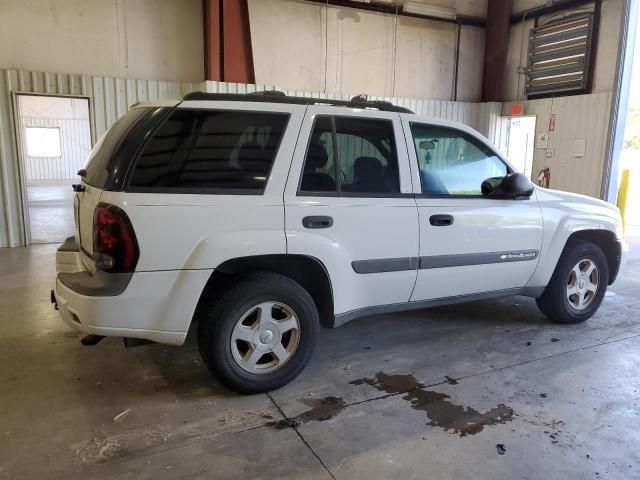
(559, 57)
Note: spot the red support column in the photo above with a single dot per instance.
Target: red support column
(237, 54)
(228, 55)
(212, 40)
(495, 49)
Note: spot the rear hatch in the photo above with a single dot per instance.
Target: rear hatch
(101, 173)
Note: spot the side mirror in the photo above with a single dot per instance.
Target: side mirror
(513, 185)
(490, 184)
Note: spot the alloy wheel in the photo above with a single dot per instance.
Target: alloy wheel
(265, 337)
(582, 284)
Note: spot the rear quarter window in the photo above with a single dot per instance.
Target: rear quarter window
(101, 158)
(206, 151)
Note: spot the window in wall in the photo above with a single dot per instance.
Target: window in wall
(559, 57)
(364, 151)
(43, 142)
(452, 162)
(211, 149)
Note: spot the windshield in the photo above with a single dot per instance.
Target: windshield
(99, 161)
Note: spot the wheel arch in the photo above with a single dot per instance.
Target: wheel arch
(308, 271)
(606, 240)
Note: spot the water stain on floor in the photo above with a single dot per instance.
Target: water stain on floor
(322, 409)
(440, 410)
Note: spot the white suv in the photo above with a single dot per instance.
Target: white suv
(263, 216)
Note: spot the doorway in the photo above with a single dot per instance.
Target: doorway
(55, 140)
(516, 141)
(630, 155)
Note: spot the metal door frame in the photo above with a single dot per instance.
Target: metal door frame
(22, 187)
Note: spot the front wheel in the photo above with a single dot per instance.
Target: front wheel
(578, 284)
(260, 334)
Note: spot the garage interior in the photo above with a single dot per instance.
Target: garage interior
(489, 389)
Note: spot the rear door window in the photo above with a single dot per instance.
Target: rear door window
(210, 150)
(351, 156)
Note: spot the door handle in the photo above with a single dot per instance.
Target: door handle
(441, 220)
(317, 222)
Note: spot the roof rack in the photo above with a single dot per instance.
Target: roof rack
(276, 96)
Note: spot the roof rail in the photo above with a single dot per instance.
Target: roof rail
(276, 96)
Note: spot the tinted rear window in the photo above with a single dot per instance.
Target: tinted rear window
(365, 151)
(100, 159)
(197, 150)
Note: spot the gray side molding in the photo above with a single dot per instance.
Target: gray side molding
(381, 265)
(385, 265)
(465, 259)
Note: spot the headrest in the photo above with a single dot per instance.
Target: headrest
(367, 167)
(249, 153)
(249, 148)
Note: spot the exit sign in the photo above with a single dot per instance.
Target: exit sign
(517, 109)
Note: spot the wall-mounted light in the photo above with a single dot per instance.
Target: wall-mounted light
(420, 8)
(381, 2)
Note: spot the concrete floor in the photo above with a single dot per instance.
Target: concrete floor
(427, 394)
(50, 211)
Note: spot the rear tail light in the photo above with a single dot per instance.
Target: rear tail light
(115, 248)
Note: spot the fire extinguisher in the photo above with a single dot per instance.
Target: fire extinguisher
(544, 177)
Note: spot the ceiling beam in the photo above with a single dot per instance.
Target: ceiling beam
(397, 9)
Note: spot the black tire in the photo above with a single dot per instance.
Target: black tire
(554, 302)
(217, 324)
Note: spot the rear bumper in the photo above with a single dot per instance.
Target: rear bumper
(114, 316)
(156, 306)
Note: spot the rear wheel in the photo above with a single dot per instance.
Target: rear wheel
(578, 284)
(260, 334)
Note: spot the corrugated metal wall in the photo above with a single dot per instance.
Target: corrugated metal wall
(109, 99)
(579, 117)
(484, 117)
